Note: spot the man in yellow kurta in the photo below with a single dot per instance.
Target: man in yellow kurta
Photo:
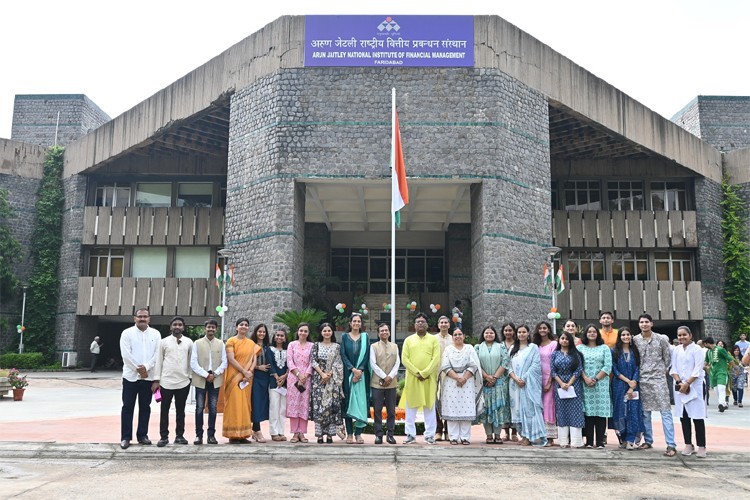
(421, 358)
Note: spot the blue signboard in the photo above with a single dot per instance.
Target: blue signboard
(389, 41)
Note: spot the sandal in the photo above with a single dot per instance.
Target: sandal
(258, 437)
(320, 440)
(454, 441)
(295, 439)
(645, 446)
(498, 439)
(302, 438)
(490, 440)
(465, 442)
(524, 442)
(670, 452)
(359, 439)
(349, 439)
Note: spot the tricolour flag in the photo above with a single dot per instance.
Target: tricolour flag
(560, 280)
(218, 276)
(400, 194)
(547, 278)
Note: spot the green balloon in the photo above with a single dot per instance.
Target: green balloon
(218, 308)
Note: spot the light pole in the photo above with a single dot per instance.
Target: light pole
(23, 317)
(225, 254)
(551, 252)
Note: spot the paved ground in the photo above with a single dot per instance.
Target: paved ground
(61, 442)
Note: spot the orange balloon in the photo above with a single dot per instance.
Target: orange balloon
(437, 306)
(553, 309)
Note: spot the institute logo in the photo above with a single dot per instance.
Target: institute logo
(388, 25)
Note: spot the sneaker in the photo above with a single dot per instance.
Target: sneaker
(600, 447)
(722, 408)
(701, 452)
(430, 440)
(740, 405)
(410, 440)
(735, 403)
(689, 450)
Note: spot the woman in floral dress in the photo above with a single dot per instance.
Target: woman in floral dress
(327, 392)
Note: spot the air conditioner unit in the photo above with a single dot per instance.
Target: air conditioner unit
(69, 359)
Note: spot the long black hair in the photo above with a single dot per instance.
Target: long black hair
(575, 356)
(618, 350)
(517, 343)
(333, 332)
(254, 337)
(537, 337)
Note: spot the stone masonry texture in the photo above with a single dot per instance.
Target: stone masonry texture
(722, 121)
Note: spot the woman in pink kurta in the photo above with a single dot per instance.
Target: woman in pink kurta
(543, 337)
(299, 383)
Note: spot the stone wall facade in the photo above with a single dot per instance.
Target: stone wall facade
(710, 259)
(334, 123)
(722, 121)
(35, 118)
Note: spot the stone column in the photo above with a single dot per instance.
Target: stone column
(458, 267)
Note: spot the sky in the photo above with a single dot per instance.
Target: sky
(663, 53)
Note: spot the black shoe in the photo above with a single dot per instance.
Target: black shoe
(721, 408)
(162, 443)
(180, 440)
(329, 440)
(212, 440)
(390, 439)
(145, 441)
(379, 440)
(320, 440)
(198, 440)
(125, 444)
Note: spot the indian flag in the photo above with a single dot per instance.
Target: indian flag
(547, 278)
(560, 280)
(400, 191)
(218, 276)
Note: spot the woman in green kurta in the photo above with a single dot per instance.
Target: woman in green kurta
(597, 405)
(494, 362)
(717, 360)
(355, 353)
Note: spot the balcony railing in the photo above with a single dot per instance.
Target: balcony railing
(664, 300)
(624, 229)
(163, 296)
(153, 226)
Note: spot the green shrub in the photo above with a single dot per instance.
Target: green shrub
(25, 361)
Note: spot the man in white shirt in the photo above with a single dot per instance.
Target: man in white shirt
(208, 362)
(139, 345)
(384, 361)
(94, 349)
(172, 377)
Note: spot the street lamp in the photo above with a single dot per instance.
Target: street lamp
(225, 254)
(23, 317)
(551, 252)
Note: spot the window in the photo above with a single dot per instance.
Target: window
(585, 266)
(192, 262)
(106, 262)
(631, 266)
(149, 262)
(195, 194)
(668, 196)
(625, 195)
(673, 266)
(582, 195)
(553, 195)
(364, 270)
(153, 194)
(114, 195)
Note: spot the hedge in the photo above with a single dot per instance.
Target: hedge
(25, 361)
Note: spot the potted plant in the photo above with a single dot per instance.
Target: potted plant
(18, 383)
(292, 319)
(341, 321)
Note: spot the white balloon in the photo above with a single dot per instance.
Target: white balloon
(221, 313)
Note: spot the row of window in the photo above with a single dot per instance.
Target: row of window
(629, 265)
(620, 195)
(363, 270)
(151, 262)
(160, 194)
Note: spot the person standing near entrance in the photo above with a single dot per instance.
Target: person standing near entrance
(139, 346)
(444, 339)
(421, 358)
(355, 353)
(172, 376)
(94, 349)
(717, 362)
(385, 362)
(208, 361)
(656, 358)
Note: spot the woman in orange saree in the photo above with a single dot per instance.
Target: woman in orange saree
(241, 351)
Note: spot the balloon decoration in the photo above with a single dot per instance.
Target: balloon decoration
(386, 306)
(364, 310)
(553, 314)
(221, 310)
(411, 306)
(341, 307)
(20, 328)
(456, 318)
(434, 308)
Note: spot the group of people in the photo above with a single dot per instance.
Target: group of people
(522, 385)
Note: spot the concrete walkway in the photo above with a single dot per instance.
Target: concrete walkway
(82, 407)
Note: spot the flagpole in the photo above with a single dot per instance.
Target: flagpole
(394, 180)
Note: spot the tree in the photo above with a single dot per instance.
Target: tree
(736, 259)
